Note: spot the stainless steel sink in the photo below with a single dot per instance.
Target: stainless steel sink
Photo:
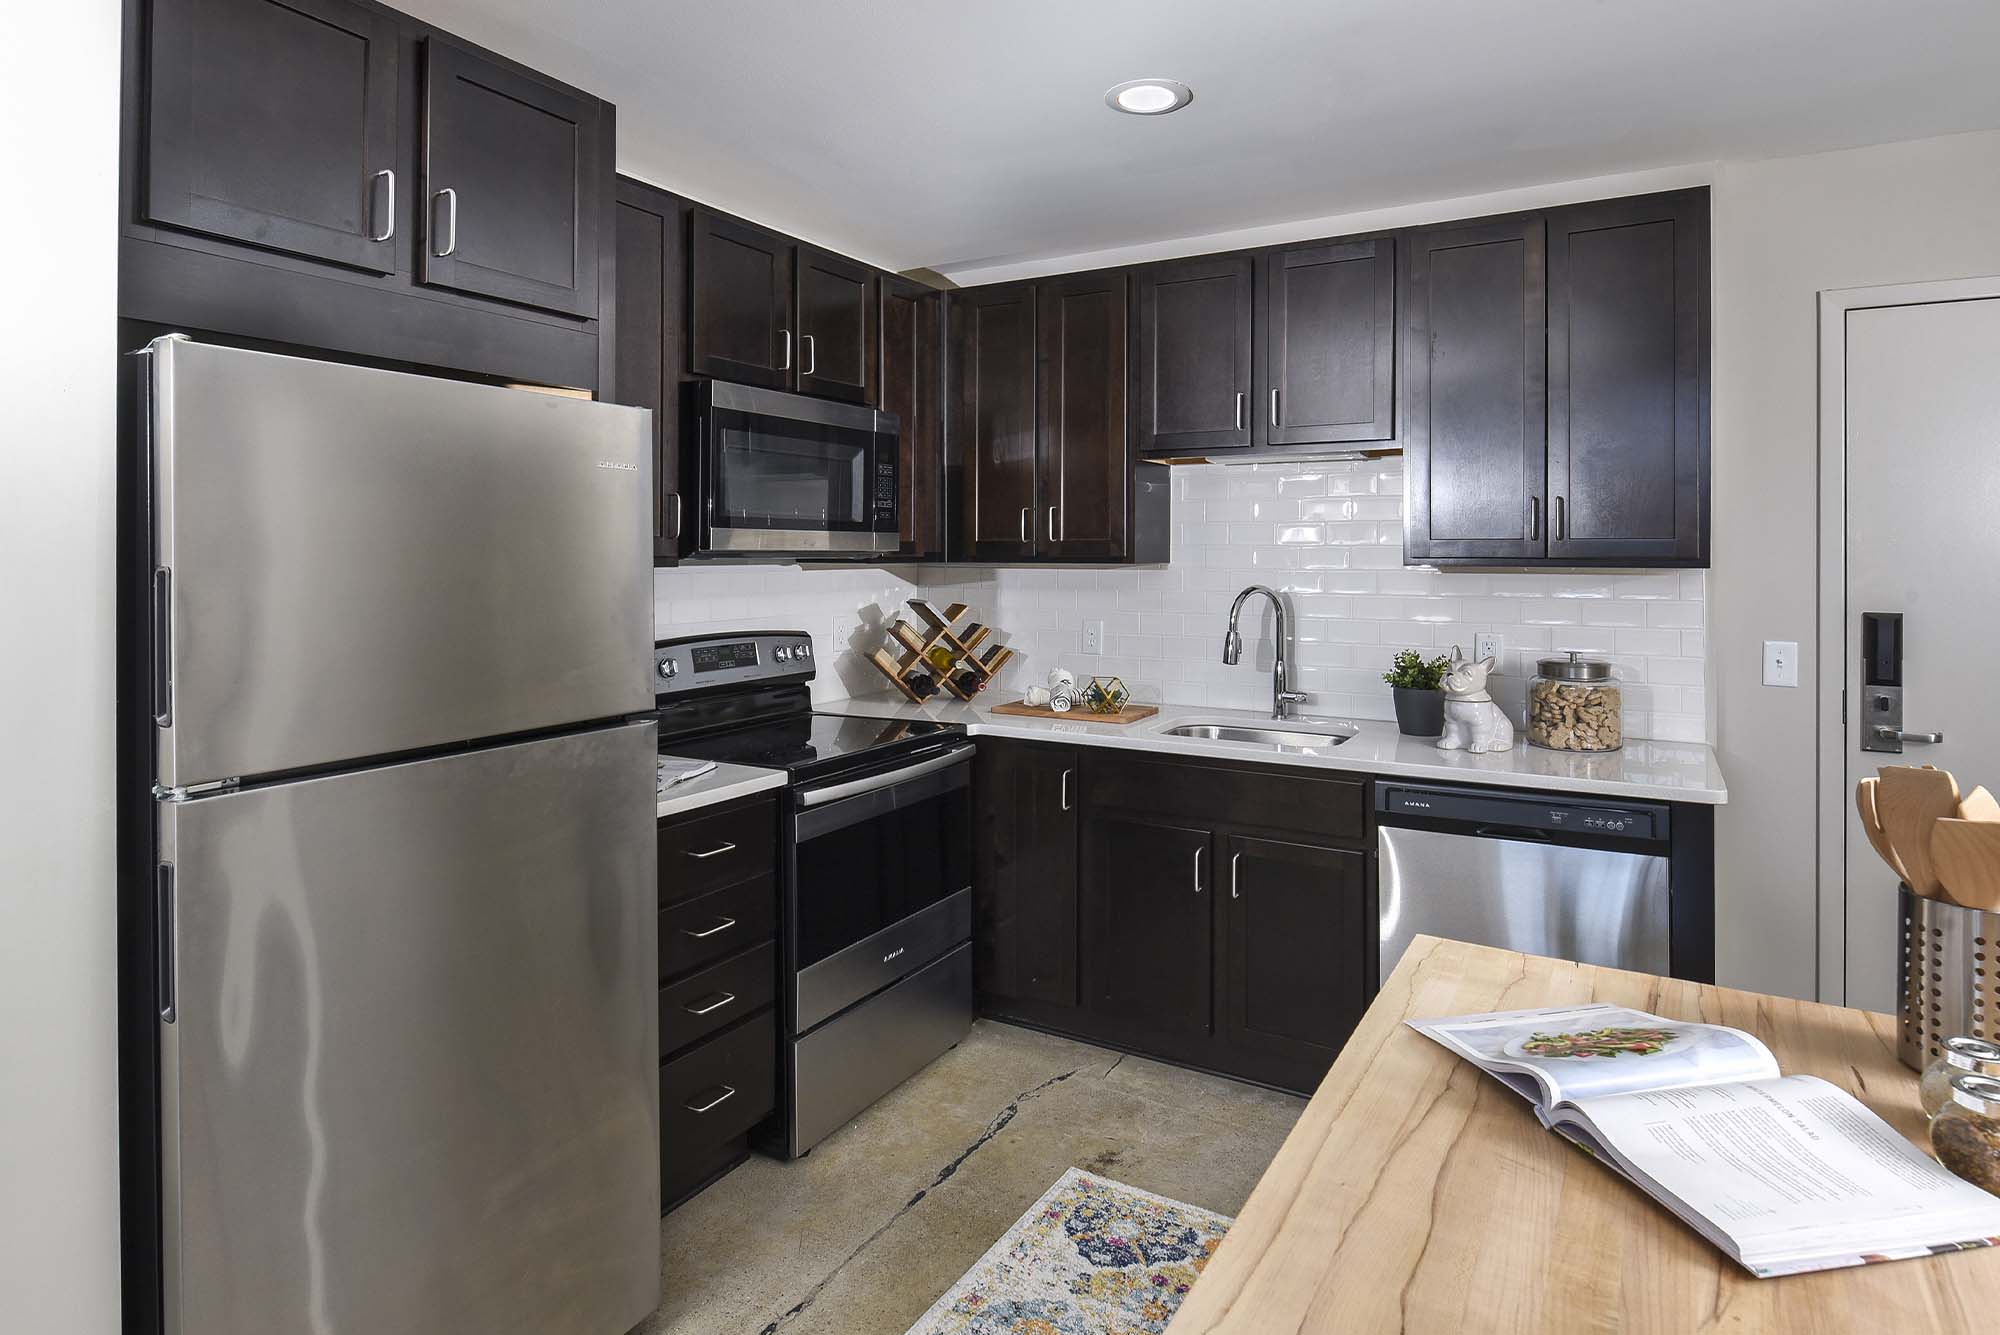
(1283, 739)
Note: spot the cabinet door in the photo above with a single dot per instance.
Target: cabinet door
(1475, 357)
(1148, 930)
(1086, 460)
(739, 302)
(1024, 904)
(1628, 379)
(991, 432)
(910, 386)
(512, 167)
(836, 326)
(1328, 356)
(275, 124)
(1296, 937)
(646, 367)
(1191, 351)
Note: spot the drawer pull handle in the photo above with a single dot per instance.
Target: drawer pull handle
(715, 852)
(728, 1093)
(723, 999)
(719, 928)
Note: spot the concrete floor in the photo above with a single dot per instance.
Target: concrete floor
(864, 1234)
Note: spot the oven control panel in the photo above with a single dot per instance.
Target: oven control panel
(699, 662)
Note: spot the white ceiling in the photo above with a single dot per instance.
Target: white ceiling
(959, 134)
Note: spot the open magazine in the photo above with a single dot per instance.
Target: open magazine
(1785, 1173)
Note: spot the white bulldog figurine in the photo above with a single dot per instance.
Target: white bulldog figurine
(1472, 722)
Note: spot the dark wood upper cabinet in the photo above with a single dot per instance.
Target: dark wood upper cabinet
(1148, 930)
(275, 124)
(1328, 343)
(1085, 470)
(740, 324)
(991, 430)
(1628, 379)
(646, 358)
(1024, 888)
(910, 384)
(513, 183)
(836, 349)
(1475, 374)
(1191, 355)
(1295, 941)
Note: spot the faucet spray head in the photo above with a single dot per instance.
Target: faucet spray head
(1232, 646)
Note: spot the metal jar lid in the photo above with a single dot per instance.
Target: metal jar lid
(1575, 668)
(1970, 1054)
(1978, 1093)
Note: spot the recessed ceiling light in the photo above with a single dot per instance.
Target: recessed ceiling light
(1149, 97)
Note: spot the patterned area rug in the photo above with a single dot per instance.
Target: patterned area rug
(1093, 1257)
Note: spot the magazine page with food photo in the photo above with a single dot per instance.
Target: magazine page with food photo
(1561, 1054)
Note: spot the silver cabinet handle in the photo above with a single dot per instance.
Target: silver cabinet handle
(1197, 869)
(715, 852)
(1274, 407)
(786, 335)
(728, 1093)
(675, 497)
(1562, 519)
(1065, 790)
(1234, 858)
(1534, 518)
(809, 350)
(726, 997)
(1026, 510)
(389, 209)
(1888, 734)
(450, 198)
(1052, 523)
(1239, 409)
(716, 930)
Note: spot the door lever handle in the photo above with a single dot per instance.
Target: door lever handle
(1889, 734)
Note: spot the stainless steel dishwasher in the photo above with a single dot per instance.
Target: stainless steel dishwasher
(1576, 878)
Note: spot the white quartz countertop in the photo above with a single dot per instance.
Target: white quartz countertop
(720, 784)
(1658, 771)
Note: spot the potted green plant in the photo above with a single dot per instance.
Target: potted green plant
(1418, 686)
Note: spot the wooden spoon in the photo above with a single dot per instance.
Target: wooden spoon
(1978, 805)
(1908, 802)
(1966, 854)
(1871, 825)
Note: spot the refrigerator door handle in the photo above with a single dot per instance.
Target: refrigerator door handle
(163, 647)
(164, 887)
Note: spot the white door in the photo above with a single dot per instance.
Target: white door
(1923, 539)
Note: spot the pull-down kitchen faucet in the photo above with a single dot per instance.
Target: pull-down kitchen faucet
(1282, 698)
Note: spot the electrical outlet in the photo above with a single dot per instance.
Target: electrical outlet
(1093, 637)
(1781, 662)
(1489, 644)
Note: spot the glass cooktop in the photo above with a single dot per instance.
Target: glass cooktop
(811, 745)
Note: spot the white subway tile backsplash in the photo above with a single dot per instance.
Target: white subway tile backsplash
(1329, 535)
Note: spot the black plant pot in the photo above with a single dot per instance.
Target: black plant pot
(1419, 713)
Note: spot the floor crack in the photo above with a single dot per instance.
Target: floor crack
(993, 1128)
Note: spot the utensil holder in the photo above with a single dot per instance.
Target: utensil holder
(1950, 985)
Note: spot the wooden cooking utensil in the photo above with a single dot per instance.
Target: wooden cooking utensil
(1908, 801)
(1978, 805)
(1966, 854)
(1871, 825)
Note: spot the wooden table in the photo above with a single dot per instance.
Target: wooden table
(1418, 1194)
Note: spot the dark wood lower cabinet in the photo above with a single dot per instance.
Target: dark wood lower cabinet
(1148, 932)
(1024, 907)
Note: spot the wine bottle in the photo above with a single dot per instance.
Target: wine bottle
(921, 683)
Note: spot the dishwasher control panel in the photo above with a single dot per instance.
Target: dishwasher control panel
(1503, 812)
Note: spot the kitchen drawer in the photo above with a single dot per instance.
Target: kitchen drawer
(710, 1096)
(720, 995)
(699, 931)
(710, 849)
(1258, 796)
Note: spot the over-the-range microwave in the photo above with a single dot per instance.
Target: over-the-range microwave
(784, 475)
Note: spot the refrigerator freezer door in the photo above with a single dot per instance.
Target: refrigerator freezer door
(410, 1086)
(365, 562)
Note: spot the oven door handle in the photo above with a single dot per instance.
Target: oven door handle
(834, 792)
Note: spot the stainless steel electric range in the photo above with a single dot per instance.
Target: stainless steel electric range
(876, 914)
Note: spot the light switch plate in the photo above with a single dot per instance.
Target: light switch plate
(1488, 644)
(1093, 637)
(1781, 662)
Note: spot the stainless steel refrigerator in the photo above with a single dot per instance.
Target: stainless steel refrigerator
(405, 900)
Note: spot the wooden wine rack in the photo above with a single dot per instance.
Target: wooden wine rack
(940, 628)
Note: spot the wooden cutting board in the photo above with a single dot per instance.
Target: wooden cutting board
(1131, 713)
(1908, 801)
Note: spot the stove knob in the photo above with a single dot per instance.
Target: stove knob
(783, 655)
(669, 668)
(804, 651)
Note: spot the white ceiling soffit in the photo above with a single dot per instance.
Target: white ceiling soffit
(967, 136)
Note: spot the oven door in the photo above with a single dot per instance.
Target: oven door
(783, 474)
(880, 883)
